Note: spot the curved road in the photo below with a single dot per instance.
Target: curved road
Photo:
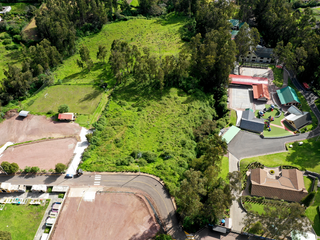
(147, 184)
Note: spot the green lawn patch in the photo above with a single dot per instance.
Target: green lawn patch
(22, 221)
(19, 7)
(259, 208)
(305, 107)
(277, 75)
(82, 99)
(233, 117)
(134, 3)
(313, 215)
(140, 119)
(160, 36)
(306, 157)
(307, 183)
(224, 168)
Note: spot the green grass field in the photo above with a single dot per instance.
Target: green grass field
(224, 168)
(316, 11)
(307, 183)
(306, 156)
(313, 214)
(278, 76)
(161, 36)
(259, 208)
(140, 118)
(82, 99)
(22, 221)
(305, 107)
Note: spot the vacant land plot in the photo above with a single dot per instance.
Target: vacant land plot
(22, 221)
(306, 156)
(80, 99)
(44, 154)
(109, 216)
(161, 36)
(33, 127)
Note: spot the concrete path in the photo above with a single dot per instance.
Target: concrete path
(81, 146)
(4, 147)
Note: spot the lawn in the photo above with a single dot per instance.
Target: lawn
(232, 117)
(306, 156)
(316, 11)
(305, 107)
(224, 168)
(307, 183)
(82, 99)
(313, 214)
(22, 221)
(141, 119)
(259, 208)
(161, 36)
(277, 75)
(19, 7)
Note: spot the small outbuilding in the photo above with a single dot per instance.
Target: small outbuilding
(23, 113)
(230, 134)
(66, 116)
(288, 96)
(299, 121)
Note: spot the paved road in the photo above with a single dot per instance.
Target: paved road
(145, 183)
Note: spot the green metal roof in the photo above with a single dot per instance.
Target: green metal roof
(230, 134)
(235, 22)
(287, 95)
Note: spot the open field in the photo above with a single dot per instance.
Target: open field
(82, 99)
(43, 154)
(305, 107)
(161, 36)
(31, 128)
(109, 216)
(22, 221)
(306, 156)
(144, 120)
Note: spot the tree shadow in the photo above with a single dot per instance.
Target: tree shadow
(306, 156)
(90, 96)
(14, 55)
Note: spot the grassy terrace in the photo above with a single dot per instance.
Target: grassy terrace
(313, 214)
(22, 221)
(306, 156)
(277, 75)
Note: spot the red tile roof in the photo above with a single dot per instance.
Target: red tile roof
(66, 116)
(247, 80)
(260, 91)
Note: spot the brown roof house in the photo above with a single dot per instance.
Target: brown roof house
(287, 184)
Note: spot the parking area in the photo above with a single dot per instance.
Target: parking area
(256, 72)
(240, 97)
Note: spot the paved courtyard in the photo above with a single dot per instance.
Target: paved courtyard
(255, 72)
(240, 97)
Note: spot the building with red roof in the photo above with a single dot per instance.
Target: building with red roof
(66, 116)
(261, 92)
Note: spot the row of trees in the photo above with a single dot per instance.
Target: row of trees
(10, 168)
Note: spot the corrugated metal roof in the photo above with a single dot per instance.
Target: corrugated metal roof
(253, 125)
(247, 80)
(230, 134)
(260, 91)
(65, 116)
(287, 95)
(23, 113)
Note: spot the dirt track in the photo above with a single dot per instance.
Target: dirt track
(34, 127)
(111, 216)
(44, 154)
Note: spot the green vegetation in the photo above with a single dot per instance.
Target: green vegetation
(232, 117)
(256, 207)
(60, 167)
(308, 183)
(277, 75)
(312, 213)
(306, 156)
(224, 168)
(160, 35)
(18, 7)
(22, 221)
(82, 99)
(305, 107)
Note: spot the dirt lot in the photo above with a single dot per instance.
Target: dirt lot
(110, 216)
(44, 154)
(17, 129)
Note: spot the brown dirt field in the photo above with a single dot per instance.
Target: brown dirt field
(32, 31)
(44, 154)
(34, 127)
(111, 216)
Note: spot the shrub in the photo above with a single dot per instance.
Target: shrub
(63, 108)
(4, 235)
(11, 47)
(136, 154)
(49, 189)
(60, 167)
(6, 166)
(142, 162)
(35, 169)
(14, 167)
(308, 199)
(149, 156)
(163, 237)
(89, 136)
(27, 169)
(5, 36)
(17, 38)
(124, 161)
(50, 112)
(6, 41)
(61, 195)
(51, 170)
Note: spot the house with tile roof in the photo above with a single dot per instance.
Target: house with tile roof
(261, 92)
(250, 123)
(288, 96)
(286, 184)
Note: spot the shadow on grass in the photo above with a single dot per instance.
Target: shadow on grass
(90, 96)
(306, 156)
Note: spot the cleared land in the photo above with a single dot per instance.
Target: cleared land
(109, 216)
(33, 127)
(80, 99)
(306, 156)
(44, 154)
(22, 221)
(161, 36)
